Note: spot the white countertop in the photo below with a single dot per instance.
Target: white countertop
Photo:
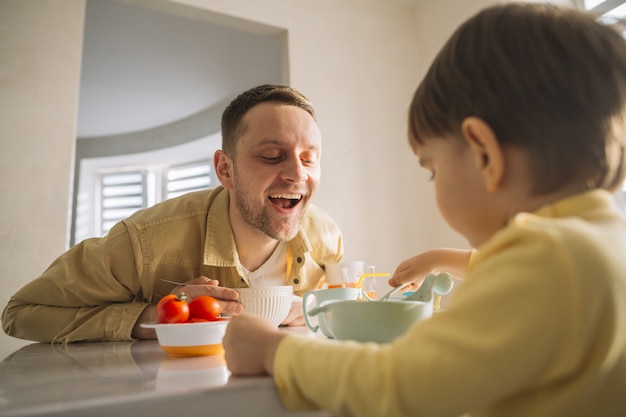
(129, 378)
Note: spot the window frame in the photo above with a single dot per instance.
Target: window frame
(87, 215)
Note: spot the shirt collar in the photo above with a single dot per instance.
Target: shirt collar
(580, 203)
(219, 244)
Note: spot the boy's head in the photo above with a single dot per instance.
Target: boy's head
(549, 80)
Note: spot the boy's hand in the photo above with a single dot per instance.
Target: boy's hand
(250, 344)
(415, 269)
(411, 271)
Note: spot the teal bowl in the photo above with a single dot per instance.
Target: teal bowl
(371, 321)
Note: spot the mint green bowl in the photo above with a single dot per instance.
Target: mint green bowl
(371, 321)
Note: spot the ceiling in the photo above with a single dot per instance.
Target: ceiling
(143, 68)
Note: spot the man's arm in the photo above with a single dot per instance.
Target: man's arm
(91, 292)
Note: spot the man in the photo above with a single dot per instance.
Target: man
(257, 228)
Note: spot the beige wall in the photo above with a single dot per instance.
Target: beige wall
(359, 61)
(40, 52)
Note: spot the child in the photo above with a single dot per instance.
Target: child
(520, 120)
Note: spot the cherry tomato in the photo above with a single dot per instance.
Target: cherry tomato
(204, 307)
(196, 320)
(173, 309)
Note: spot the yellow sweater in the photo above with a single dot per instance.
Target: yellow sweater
(538, 328)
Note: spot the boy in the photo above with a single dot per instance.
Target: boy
(520, 120)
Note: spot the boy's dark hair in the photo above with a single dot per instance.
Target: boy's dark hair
(232, 126)
(547, 79)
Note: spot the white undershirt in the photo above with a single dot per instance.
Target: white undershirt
(272, 272)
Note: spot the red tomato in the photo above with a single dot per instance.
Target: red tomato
(196, 320)
(204, 307)
(173, 309)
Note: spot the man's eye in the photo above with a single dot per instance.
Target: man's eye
(271, 159)
(310, 159)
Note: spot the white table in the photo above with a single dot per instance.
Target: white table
(126, 379)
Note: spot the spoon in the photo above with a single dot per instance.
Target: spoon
(390, 293)
(441, 284)
(182, 284)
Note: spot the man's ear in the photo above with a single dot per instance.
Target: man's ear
(223, 168)
(487, 150)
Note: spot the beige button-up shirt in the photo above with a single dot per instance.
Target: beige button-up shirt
(98, 288)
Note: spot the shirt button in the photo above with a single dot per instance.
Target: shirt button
(295, 281)
(299, 259)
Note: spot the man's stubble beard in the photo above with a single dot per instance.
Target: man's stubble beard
(258, 218)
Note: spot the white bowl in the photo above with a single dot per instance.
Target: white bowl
(272, 303)
(190, 339)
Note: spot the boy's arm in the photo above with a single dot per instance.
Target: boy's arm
(452, 261)
(250, 344)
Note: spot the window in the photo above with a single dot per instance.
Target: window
(186, 178)
(613, 13)
(112, 188)
(610, 12)
(124, 190)
(620, 196)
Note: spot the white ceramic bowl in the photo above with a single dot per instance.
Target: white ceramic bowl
(190, 339)
(272, 303)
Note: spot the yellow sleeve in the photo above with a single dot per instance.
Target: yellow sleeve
(312, 373)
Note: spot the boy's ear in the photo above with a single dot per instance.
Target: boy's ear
(487, 151)
(223, 168)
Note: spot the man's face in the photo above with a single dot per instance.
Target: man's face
(276, 169)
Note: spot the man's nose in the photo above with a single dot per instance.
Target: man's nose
(295, 171)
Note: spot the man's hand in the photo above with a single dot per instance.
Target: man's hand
(227, 297)
(147, 316)
(295, 316)
(250, 344)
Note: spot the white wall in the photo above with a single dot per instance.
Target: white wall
(40, 53)
(359, 62)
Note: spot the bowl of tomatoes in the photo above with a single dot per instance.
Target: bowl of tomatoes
(189, 327)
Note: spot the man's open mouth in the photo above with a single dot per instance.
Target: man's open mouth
(285, 201)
